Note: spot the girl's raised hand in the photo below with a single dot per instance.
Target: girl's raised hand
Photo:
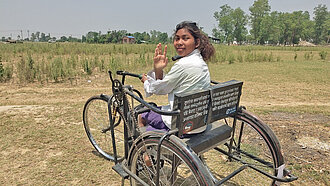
(160, 59)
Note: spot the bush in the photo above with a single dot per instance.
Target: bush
(323, 55)
(30, 70)
(57, 70)
(240, 58)
(26, 70)
(87, 67)
(2, 72)
(6, 73)
(231, 59)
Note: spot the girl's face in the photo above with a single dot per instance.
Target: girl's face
(184, 42)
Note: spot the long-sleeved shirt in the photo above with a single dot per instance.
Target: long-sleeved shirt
(189, 73)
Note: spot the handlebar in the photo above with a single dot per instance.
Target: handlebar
(124, 73)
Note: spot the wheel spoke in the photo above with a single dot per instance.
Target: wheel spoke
(173, 170)
(250, 146)
(97, 126)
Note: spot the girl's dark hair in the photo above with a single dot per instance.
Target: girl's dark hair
(205, 47)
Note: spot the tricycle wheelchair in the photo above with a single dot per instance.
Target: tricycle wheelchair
(213, 140)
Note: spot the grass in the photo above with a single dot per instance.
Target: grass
(280, 85)
(42, 137)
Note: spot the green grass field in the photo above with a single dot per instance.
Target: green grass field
(43, 141)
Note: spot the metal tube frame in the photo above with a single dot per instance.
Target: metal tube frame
(229, 153)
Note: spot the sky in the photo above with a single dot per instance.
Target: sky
(77, 17)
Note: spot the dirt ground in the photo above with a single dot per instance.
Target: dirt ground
(304, 140)
(43, 141)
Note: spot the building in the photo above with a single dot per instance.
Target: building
(128, 39)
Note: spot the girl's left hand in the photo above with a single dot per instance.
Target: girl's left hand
(144, 78)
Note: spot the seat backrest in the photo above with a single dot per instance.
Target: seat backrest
(199, 108)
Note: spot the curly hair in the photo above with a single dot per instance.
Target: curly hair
(205, 47)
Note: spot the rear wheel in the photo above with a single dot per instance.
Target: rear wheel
(255, 144)
(97, 126)
(176, 167)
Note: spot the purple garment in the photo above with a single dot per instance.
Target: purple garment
(154, 121)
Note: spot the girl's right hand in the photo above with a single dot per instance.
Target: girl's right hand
(160, 59)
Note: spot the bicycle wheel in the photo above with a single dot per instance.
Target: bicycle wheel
(97, 126)
(257, 146)
(176, 166)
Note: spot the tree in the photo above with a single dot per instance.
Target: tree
(258, 11)
(327, 25)
(63, 39)
(298, 24)
(308, 27)
(225, 23)
(141, 37)
(270, 28)
(47, 38)
(158, 37)
(163, 37)
(38, 35)
(286, 31)
(92, 37)
(33, 37)
(293, 26)
(83, 38)
(43, 37)
(240, 22)
(321, 21)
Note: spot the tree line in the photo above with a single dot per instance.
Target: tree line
(112, 36)
(268, 27)
(260, 26)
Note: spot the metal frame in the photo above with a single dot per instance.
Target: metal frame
(132, 93)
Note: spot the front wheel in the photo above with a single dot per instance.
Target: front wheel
(97, 126)
(176, 166)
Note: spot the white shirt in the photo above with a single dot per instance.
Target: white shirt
(189, 73)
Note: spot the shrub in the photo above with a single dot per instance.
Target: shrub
(6, 73)
(307, 56)
(2, 71)
(249, 57)
(240, 58)
(87, 67)
(270, 57)
(56, 69)
(26, 71)
(231, 59)
(323, 55)
(30, 70)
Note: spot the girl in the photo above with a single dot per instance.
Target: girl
(189, 73)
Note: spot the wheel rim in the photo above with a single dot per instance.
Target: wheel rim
(252, 143)
(173, 171)
(96, 122)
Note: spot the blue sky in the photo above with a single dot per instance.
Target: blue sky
(77, 17)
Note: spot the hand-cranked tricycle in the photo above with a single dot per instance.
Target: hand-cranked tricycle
(213, 140)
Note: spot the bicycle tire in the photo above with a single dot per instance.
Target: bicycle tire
(97, 126)
(177, 166)
(257, 140)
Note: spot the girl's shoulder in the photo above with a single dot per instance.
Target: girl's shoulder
(193, 58)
